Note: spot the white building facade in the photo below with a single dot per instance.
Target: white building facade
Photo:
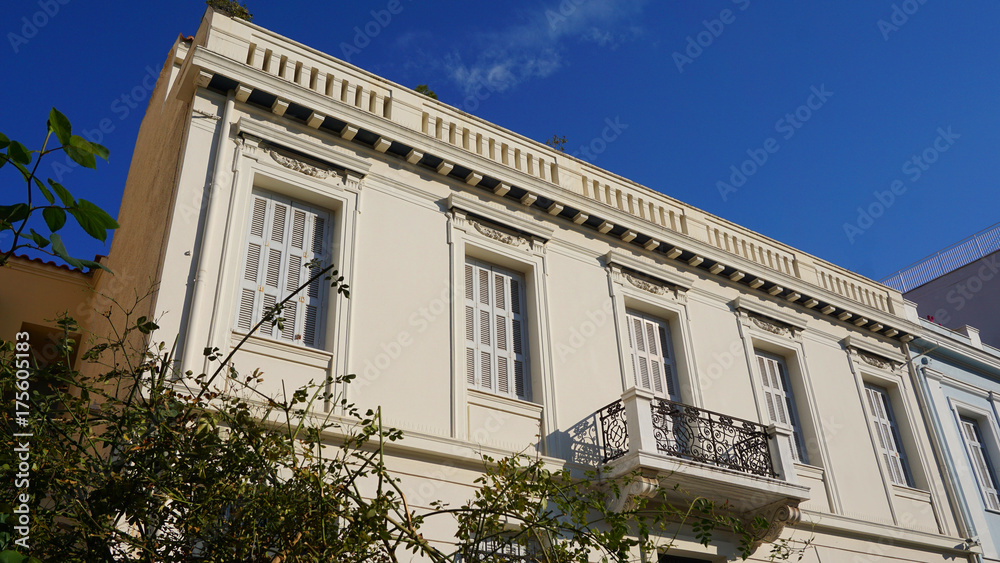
(959, 386)
(509, 298)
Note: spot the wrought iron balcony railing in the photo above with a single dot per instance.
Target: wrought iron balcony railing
(688, 432)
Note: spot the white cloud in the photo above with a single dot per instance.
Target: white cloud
(534, 49)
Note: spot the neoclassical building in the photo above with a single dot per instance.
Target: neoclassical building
(507, 297)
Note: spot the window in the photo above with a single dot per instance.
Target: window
(889, 443)
(780, 401)
(652, 357)
(496, 347)
(980, 462)
(282, 237)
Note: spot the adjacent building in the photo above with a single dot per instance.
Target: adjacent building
(958, 383)
(958, 286)
(507, 297)
(35, 294)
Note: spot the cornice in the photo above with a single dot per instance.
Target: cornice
(763, 309)
(499, 214)
(955, 383)
(903, 537)
(662, 242)
(354, 165)
(648, 268)
(873, 355)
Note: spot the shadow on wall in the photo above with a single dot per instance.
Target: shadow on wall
(582, 442)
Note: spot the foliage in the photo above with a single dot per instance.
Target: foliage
(557, 142)
(14, 217)
(231, 8)
(423, 89)
(140, 463)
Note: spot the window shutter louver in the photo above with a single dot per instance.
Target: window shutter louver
(980, 463)
(293, 327)
(314, 300)
(885, 428)
(781, 402)
(655, 372)
(649, 339)
(247, 309)
(282, 237)
(494, 339)
(471, 344)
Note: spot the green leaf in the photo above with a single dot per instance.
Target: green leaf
(14, 213)
(59, 249)
(45, 191)
(55, 218)
(10, 556)
(81, 151)
(4, 141)
(92, 265)
(39, 240)
(24, 171)
(63, 194)
(18, 153)
(94, 220)
(146, 326)
(100, 150)
(59, 125)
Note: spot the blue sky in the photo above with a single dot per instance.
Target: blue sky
(786, 119)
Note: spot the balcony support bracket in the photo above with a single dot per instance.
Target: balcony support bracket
(779, 515)
(635, 488)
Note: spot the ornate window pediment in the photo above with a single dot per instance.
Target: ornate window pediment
(771, 325)
(496, 232)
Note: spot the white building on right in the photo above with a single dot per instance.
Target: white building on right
(956, 359)
(958, 386)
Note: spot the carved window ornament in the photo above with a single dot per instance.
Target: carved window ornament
(641, 282)
(301, 166)
(877, 361)
(771, 325)
(496, 233)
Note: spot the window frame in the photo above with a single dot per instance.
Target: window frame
(338, 193)
(773, 331)
(507, 238)
(639, 287)
(986, 433)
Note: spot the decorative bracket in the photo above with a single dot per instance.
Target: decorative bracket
(628, 497)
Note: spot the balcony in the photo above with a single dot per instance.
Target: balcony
(692, 452)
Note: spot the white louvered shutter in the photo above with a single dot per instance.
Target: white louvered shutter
(780, 401)
(282, 237)
(495, 339)
(652, 363)
(314, 298)
(887, 435)
(249, 304)
(980, 463)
